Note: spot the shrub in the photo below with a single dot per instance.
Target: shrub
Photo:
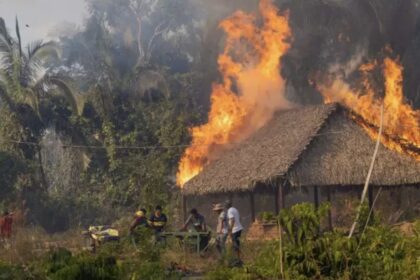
(381, 253)
(268, 217)
(223, 273)
(61, 265)
(149, 271)
(12, 272)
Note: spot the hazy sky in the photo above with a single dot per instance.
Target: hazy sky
(42, 16)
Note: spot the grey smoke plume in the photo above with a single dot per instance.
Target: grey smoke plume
(329, 34)
(326, 34)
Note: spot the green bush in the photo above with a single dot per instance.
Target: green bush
(8, 272)
(268, 217)
(381, 253)
(149, 271)
(62, 265)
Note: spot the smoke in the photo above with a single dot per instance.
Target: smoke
(338, 36)
(62, 166)
(219, 9)
(345, 69)
(327, 36)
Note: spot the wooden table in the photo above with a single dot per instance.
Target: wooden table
(185, 234)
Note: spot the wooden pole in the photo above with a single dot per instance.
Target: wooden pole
(316, 197)
(230, 197)
(330, 224)
(370, 199)
(276, 199)
(280, 198)
(252, 204)
(372, 164)
(184, 207)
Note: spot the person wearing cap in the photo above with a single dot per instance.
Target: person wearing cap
(221, 229)
(235, 227)
(140, 220)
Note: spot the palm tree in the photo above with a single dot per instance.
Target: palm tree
(24, 79)
(23, 76)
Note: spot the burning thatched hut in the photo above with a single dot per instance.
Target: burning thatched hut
(319, 148)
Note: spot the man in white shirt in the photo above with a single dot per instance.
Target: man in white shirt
(235, 227)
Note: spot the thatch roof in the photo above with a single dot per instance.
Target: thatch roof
(314, 145)
(343, 157)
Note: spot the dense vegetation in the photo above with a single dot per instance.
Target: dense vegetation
(138, 74)
(68, 108)
(376, 252)
(92, 126)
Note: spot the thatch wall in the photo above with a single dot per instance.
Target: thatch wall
(341, 155)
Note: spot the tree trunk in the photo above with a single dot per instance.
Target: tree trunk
(41, 169)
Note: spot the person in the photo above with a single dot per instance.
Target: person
(140, 220)
(221, 229)
(158, 222)
(196, 220)
(6, 225)
(235, 228)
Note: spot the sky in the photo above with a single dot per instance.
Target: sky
(42, 16)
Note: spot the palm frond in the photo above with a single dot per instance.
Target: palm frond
(67, 91)
(6, 60)
(3, 29)
(38, 53)
(4, 44)
(4, 33)
(40, 50)
(19, 41)
(4, 95)
(10, 72)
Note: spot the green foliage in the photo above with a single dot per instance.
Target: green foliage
(119, 260)
(12, 272)
(142, 239)
(223, 273)
(268, 217)
(385, 254)
(149, 271)
(302, 222)
(381, 253)
(85, 266)
(116, 113)
(10, 168)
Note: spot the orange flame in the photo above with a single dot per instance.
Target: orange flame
(401, 122)
(251, 91)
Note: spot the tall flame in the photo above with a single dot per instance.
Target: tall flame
(251, 89)
(401, 122)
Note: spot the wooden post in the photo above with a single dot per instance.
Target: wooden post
(252, 204)
(276, 199)
(282, 189)
(230, 197)
(316, 197)
(330, 224)
(184, 207)
(280, 198)
(370, 199)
